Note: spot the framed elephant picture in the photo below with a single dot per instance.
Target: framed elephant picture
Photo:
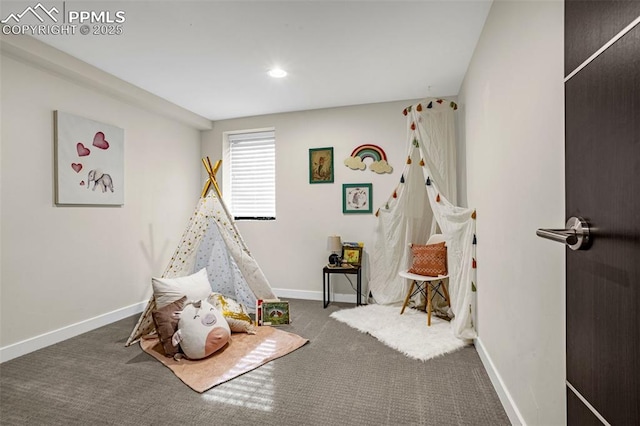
(89, 161)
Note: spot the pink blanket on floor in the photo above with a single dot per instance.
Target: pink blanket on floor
(244, 353)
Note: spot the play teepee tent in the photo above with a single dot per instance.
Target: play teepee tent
(212, 241)
(419, 203)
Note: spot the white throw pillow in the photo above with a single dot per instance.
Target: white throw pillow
(168, 290)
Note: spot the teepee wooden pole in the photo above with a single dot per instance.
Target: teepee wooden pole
(212, 170)
(212, 177)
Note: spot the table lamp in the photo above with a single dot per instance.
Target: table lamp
(334, 245)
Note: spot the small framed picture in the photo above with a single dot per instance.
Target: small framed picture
(352, 255)
(357, 198)
(321, 165)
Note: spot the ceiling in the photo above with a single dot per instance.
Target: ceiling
(212, 57)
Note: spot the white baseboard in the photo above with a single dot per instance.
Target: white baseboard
(496, 380)
(315, 295)
(24, 347)
(38, 342)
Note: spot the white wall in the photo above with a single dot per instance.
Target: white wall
(64, 265)
(292, 249)
(513, 108)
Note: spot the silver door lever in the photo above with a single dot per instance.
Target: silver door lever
(576, 236)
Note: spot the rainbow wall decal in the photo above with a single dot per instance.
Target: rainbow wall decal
(369, 151)
(377, 154)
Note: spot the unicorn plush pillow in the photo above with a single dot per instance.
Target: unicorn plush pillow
(202, 330)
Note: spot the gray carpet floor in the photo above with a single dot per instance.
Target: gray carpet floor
(341, 377)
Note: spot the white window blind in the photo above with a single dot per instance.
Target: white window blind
(252, 160)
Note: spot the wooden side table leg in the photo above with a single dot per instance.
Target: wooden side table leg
(324, 290)
(359, 287)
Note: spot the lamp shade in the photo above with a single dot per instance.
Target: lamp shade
(334, 244)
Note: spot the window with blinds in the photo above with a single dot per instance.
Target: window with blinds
(252, 175)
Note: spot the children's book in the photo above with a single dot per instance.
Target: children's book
(272, 312)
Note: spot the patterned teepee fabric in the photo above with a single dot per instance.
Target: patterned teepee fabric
(223, 271)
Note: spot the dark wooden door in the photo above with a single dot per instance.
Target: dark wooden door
(602, 125)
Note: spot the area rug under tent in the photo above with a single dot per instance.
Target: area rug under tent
(245, 352)
(407, 333)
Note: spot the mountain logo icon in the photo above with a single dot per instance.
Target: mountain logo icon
(38, 11)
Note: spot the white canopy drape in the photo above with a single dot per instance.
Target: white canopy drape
(423, 194)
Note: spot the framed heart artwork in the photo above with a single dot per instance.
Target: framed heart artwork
(89, 161)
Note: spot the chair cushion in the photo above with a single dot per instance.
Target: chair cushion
(429, 260)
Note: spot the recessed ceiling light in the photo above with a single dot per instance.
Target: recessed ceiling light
(277, 73)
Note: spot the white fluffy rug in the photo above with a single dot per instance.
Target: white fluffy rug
(407, 333)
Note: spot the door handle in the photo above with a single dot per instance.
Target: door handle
(576, 235)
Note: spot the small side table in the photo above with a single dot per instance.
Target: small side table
(326, 282)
